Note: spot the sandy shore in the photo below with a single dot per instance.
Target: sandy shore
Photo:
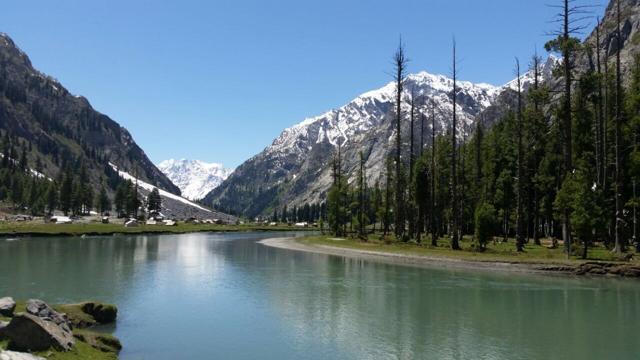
(418, 260)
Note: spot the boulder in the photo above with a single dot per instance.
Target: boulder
(40, 309)
(131, 223)
(28, 332)
(7, 306)
(14, 355)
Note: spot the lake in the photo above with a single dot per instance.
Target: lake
(225, 296)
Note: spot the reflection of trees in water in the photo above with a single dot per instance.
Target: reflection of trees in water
(71, 268)
(371, 310)
(74, 268)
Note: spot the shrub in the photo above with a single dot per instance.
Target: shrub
(484, 224)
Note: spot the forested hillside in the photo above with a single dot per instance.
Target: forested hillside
(55, 146)
(561, 161)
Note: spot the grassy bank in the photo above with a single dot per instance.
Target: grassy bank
(495, 252)
(42, 229)
(89, 344)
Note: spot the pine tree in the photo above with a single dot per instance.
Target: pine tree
(104, 204)
(52, 198)
(388, 195)
(154, 201)
(362, 214)
(66, 193)
(337, 204)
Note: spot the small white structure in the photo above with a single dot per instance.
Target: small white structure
(105, 219)
(131, 223)
(273, 223)
(170, 223)
(60, 220)
(302, 224)
(152, 222)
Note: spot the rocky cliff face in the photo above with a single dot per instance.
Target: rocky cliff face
(630, 36)
(60, 127)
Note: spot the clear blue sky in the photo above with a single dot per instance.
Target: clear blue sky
(219, 80)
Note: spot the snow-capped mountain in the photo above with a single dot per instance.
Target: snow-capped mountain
(195, 178)
(295, 169)
(174, 206)
(527, 78)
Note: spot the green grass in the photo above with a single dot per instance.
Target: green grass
(89, 344)
(33, 228)
(81, 350)
(496, 252)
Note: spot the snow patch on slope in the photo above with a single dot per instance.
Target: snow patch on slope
(125, 175)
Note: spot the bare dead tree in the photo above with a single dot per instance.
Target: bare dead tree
(520, 205)
(432, 222)
(600, 143)
(571, 18)
(536, 146)
(400, 62)
(455, 235)
(619, 243)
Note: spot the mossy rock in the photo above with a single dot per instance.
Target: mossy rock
(90, 313)
(102, 313)
(89, 344)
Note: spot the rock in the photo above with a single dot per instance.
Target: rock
(14, 355)
(102, 313)
(40, 309)
(631, 272)
(7, 306)
(131, 223)
(598, 271)
(28, 332)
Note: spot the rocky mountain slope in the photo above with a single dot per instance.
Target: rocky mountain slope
(195, 178)
(60, 128)
(630, 38)
(295, 168)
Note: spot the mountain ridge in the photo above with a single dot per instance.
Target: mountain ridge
(294, 168)
(63, 127)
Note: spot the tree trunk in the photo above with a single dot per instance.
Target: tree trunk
(455, 244)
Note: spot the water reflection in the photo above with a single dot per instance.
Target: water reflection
(371, 310)
(225, 296)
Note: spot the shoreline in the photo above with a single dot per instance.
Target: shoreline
(79, 230)
(439, 262)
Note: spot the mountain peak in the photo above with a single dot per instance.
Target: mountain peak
(295, 168)
(195, 178)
